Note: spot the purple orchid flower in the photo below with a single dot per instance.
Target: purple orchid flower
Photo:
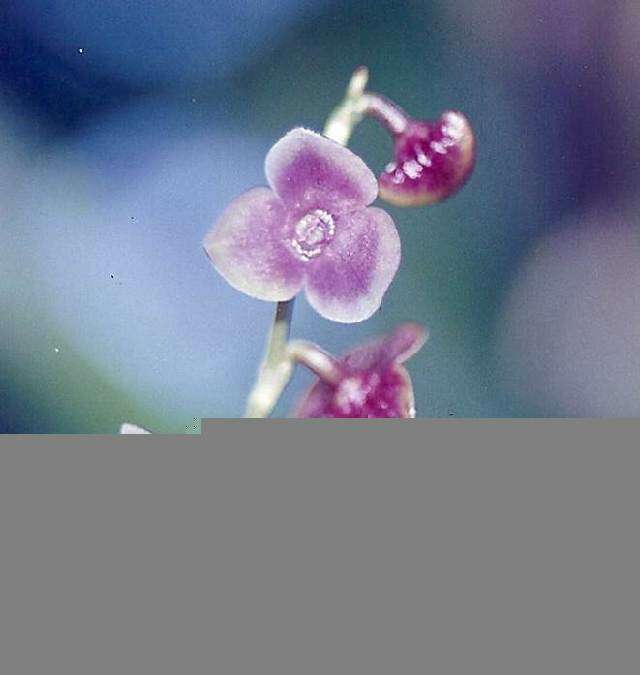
(312, 229)
(367, 382)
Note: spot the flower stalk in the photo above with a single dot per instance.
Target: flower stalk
(359, 103)
(315, 359)
(345, 117)
(276, 368)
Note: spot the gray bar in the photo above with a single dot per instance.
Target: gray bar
(428, 546)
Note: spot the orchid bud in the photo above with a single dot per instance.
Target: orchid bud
(432, 161)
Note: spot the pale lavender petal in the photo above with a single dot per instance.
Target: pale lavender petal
(310, 171)
(398, 346)
(346, 283)
(248, 246)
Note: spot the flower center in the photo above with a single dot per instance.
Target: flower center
(312, 233)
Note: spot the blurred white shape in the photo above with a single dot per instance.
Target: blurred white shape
(128, 428)
(570, 331)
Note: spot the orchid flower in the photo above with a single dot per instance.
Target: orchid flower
(367, 382)
(312, 228)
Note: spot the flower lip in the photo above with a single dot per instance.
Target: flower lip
(369, 381)
(432, 161)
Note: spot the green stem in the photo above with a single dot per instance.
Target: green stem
(276, 369)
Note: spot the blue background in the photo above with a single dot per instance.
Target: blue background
(126, 127)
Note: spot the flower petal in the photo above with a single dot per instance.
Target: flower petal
(248, 247)
(406, 340)
(346, 283)
(309, 171)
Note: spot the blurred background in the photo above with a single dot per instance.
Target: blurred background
(126, 126)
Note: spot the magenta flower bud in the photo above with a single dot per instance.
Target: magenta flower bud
(432, 160)
(367, 382)
(312, 229)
